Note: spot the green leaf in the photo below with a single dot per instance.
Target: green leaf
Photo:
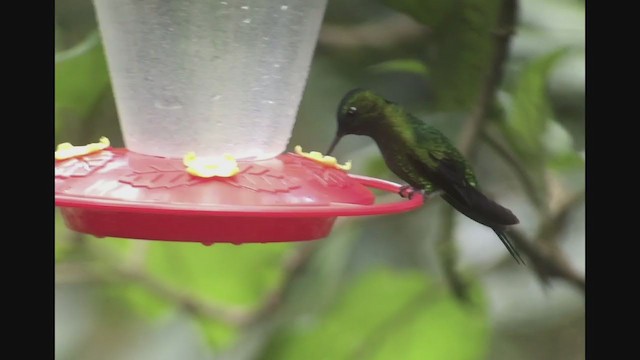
(61, 235)
(384, 314)
(119, 247)
(324, 274)
(216, 334)
(138, 299)
(429, 12)
(81, 78)
(224, 273)
(558, 145)
(229, 275)
(461, 47)
(235, 275)
(529, 113)
(401, 65)
(91, 41)
(528, 125)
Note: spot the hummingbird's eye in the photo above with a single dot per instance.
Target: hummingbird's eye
(352, 110)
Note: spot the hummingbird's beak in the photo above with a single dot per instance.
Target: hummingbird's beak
(334, 143)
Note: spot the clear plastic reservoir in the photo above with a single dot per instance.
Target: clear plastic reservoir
(209, 76)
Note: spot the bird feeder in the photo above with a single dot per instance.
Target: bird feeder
(209, 80)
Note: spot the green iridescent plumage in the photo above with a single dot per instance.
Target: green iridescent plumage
(422, 156)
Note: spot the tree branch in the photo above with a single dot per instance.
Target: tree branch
(292, 268)
(381, 34)
(109, 270)
(69, 273)
(472, 129)
(475, 122)
(448, 254)
(547, 258)
(553, 224)
(401, 317)
(206, 309)
(520, 171)
(548, 261)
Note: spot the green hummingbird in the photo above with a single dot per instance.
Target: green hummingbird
(423, 157)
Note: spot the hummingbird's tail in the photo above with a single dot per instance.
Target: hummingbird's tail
(476, 206)
(507, 243)
(479, 208)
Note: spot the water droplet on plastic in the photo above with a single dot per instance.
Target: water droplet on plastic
(224, 3)
(246, 21)
(268, 102)
(168, 104)
(284, 7)
(276, 65)
(244, 7)
(216, 98)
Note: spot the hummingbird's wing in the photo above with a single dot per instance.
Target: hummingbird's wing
(432, 155)
(448, 175)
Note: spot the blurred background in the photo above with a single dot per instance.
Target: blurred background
(429, 284)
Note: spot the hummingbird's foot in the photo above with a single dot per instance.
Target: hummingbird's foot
(408, 191)
(434, 193)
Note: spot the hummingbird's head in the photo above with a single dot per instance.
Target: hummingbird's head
(359, 113)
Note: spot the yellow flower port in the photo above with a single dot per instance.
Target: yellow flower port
(323, 159)
(225, 166)
(67, 150)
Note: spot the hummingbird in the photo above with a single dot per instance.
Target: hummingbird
(423, 157)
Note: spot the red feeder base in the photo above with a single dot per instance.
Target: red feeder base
(290, 198)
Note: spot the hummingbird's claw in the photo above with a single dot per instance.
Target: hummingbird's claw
(434, 193)
(407, 191)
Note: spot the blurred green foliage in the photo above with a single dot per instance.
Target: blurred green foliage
(81, 79)
(460, 48)
(401, 65)
(410, 316)
(374, 288)
(530, 124)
